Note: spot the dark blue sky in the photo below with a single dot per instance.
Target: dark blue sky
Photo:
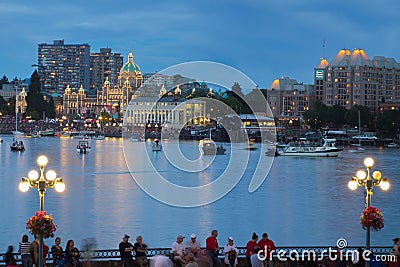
(262, 38)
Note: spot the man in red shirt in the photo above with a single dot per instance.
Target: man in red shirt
(268, 246)
(212, 249)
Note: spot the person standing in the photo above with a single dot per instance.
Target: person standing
(231, 252)
(25, 251)
(58, 253)
(268, 245)
(141, 252)
(72, 254)
(125, 250)
(212, 249)
(250, 247)
(255, 259)
(396, 252)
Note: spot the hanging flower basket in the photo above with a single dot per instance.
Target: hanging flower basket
(41, 224)
(373, 218)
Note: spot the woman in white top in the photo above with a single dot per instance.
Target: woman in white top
(231, 252)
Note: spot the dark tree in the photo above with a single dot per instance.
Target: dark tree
(35, 101)
(388, 123)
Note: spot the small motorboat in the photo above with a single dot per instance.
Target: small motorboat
(98, 137)
(17, 146)
(35, 134)
(392, 145)
(83, 147)
(156, 145)
(220, 150)
(251, 145)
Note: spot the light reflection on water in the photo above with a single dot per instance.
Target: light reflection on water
(304, 201)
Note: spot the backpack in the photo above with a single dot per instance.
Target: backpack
(232, 257)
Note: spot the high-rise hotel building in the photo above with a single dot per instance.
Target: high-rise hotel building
(105, 64)
(61, 64)
(351, 78)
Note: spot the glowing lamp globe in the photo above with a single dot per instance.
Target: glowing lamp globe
(361, 174)
(377, 175)
(60, 187)
(352, 185)
(385, 185)
(23, 186)
(51, 175)
(42, 160)
(369, 162)
(33, 175)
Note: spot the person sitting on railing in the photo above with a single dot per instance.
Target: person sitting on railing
(9, 255)
(125, 250)
(178, 249)
(193, 246)
(141, 252)
(395, 251)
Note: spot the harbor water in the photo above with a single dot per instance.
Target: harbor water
(303, 201)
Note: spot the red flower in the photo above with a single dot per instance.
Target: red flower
(42, 224)
(372, 217)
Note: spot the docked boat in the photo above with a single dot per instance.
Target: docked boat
(83, 147)
(156, 145)
(47, 132)
(326, 149)
(392, 145)
(35, 134)
(98, 137)
(17, 146)
(65, 135)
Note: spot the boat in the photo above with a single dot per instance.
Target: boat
(208, 147)
(356, 148)
(65, 135)
(80, 136)
(83, 147)
(251, 145)
(98, 137)
(392, 145)
(326, 149)
(156, 145)
(17, 146)
(35, 134)
(1, 140)
(47, 132)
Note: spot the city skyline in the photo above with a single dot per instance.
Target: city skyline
(263, 40)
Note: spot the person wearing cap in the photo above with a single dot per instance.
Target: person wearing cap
(267, 245)
(193, 246)
(212, 249)
(178, 249)
(230, 253)
(250, 247)
(125, 250)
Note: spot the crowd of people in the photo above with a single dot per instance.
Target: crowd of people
(30, 253)
(192, 254)
(189, 254)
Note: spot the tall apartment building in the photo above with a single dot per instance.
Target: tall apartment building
(351, 78)
(104, 64)
(61, 64)
(288, 98)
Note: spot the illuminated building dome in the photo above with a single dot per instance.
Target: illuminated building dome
(130, 66)
(131, 72)
(322, 64)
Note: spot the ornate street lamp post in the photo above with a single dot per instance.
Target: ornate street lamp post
(363, 178)
(41, 182)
